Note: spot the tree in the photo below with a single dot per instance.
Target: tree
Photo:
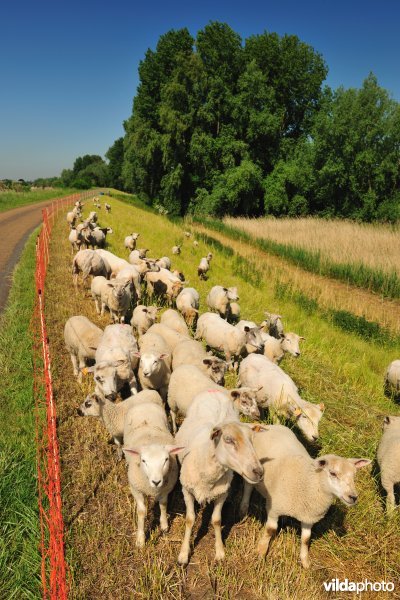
(115, 155)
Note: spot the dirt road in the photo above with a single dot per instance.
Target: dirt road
(15, 226)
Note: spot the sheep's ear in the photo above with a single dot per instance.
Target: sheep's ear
(321, 462)
(110, 284)
(207, 361)
(234, 393)
(131, 451)
(386, 420)
(359, 463)
(225, 289)
(145, 310)
(215, 433)
(247, 329)
(321, 406)
(302, 338)
(164, 355)
(174, 449)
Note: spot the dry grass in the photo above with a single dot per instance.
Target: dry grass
(337, 368)
(377, 246)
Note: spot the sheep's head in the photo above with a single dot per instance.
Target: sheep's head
(291, 343)
(150, 362)
(340, 473)
(234, 449)
(308, 418)
(91, 407)
(245, 399)
(391, 422)
(155, 461)
(216, 369)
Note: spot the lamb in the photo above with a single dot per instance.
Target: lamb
(219, 299)
(81, 338)
(234, 313)
(392, 378)
(176, 249)
(389, 459)
(164, 262)
(151, 457)
(187, 302)
(278, 393)
(89, 263)
(171, 337)
(190, 352)
(76, 239)
(92, 218)
(256, 343)
(203, 267)
(298, 486)
(137, 255)
(130, 241)
(160, 283)
(155, 363)
(130, 273)
(173, 319)
(115, 295)
(187, 381)
(143, 318)
(224, 337)
(71, 218)
(273, 325)
(113, 414)
(116, 361)
(213, 450)
(107, 207)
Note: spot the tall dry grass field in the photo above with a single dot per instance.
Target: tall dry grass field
(338, 241)
(337, 368)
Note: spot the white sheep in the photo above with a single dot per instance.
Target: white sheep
(190, 352)
(170, 336)
(222, 336)
(137, 255)
(107, 207)
(176, 249)
(115, 295)
(278, 392)
(116, 361)
(171, 318)
(164, 262)
(152, 467)
(162, 284)
(93, 217)
(214, 449)
(388, 456)
(97, 236)
(82, 338)
(234, 312)
(187, 381)
(143, 318)
(71, 218)
(203, 267)
(392, 378)
(155, 363)
(275, 348)
(298, 486)
(187, 302)
(256, 343)
(130, 273)
(113, 414)
(219, 299)
(89, 263)
(116, 263)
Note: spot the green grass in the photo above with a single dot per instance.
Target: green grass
(338, 366)
(19, 525)
(358, 274)
(10, 200)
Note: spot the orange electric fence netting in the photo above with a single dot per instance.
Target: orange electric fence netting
(53, 566)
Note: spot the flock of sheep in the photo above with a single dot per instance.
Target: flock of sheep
(167, 374)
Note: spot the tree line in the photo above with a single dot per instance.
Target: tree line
(222, 125)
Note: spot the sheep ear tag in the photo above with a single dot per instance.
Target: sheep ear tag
(297, 412)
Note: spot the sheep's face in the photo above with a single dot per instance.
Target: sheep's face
(254, 338)
(91, 407)
(308, 419)
(246, 400)
(291, 344)
(340, 473)
(155, 461)
(234, 449)
(151, 363)
(107, 377)
(216, 369)
(119, 289)
(190, 315)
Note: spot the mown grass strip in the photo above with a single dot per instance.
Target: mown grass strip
(358, 274)
(19, 520)
(9, 200)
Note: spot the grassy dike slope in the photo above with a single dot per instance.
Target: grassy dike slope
(337, 368)
(19, 525)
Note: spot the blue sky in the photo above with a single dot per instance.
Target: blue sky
(68, 70)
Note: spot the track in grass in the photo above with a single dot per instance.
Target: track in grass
(337, 368)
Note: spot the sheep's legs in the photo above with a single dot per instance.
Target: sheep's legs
(141, 516)
(305, 540)
(74, 361)
(173, 418)
(163, 512)
(390, 498)
(216, 521)
(269, 531)
(183, 557)
(244, 505)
